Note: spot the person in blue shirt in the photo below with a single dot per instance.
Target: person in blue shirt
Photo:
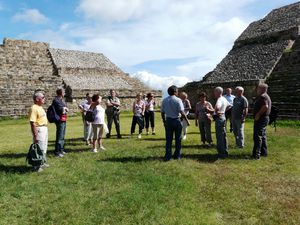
(171, 111)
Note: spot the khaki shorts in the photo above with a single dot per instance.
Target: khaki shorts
(97, 131)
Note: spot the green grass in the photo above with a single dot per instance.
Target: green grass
(130, 184)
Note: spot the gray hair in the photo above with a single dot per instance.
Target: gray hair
(219, 90)
(263, 86)
(240, 88)
(38, 95)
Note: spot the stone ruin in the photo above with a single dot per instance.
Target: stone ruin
(27, 66)
(268, 51)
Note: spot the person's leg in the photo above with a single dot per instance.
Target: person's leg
(110, 119)
(64, 127)
(169, 138)
(178, 137)
(147, 120)
(184, 129)
(133, 124)
(95, 137)
(235, 130)
(221, 137)
(207, 129)
(240, 133)
(117, 123)
(202, 131)
(257, 138)
(100, 137)
(90, 132)
(140, 122)
(264, 146)
(59, 131)
(152, 121)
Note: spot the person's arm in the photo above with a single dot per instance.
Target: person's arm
(262, 110)
(245, 113)
(117, 103)
(189, 107)
(163, 117)
(34, 132)
(109, 103)
(196, 115)
(143, 109)
(209, 108)
(133, 107)
(185, 117)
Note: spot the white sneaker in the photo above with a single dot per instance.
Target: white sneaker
(102, 148)
(95, 150)
(45, 165)
(139, 136)
(184, 137)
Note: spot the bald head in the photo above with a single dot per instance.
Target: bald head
(261, 88)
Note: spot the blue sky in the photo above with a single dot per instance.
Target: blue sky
(159, 41)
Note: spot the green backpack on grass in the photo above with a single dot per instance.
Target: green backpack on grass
(35, 156)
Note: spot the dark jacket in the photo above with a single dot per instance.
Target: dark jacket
(59, 105)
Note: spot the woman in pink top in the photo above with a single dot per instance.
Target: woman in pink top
(203, 119)
(138, 109)
(149, 113)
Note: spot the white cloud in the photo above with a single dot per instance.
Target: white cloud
(158, 82)
(145, 30)
(30, 16)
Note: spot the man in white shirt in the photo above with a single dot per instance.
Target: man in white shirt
(229, 97)
(220, 109)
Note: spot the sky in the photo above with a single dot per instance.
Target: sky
(161, 42)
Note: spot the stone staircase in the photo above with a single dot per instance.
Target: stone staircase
(284, 83)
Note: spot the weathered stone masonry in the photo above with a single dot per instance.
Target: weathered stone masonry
(26, 66)
(267, 51)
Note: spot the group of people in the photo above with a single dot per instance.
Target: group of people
(228, 106)
(174, 112)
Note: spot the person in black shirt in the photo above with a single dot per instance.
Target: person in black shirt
(61, 110)
(261, 111)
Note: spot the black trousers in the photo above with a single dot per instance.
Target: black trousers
(137, 120)
(260, 138)
(149, 117)
(113, 117)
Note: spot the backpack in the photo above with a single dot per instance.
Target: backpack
(90, 116)
(35, 156)
(52, 116)
(273, 115)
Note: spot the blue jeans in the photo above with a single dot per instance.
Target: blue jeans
(60, 137)
(260, 138)
(173, 126)
(222, 146)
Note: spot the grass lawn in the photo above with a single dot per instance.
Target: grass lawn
(130, 184)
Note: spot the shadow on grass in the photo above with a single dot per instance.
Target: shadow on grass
(51, 152)
(207, 158)
(133, 159)
(15, 169)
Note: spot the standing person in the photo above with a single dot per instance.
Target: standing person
(99, 122)
(87, 126)
(261, 111)
(61, 110)
(238, 116)
(220, 122)
(229, 97)
(38, 122)
(203, 119)
(187, 107)
(171, 109)
(138, 109)
(112, 113)
(149, 113)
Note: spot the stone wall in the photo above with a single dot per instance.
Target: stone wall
(25, 66)
(267, 51)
